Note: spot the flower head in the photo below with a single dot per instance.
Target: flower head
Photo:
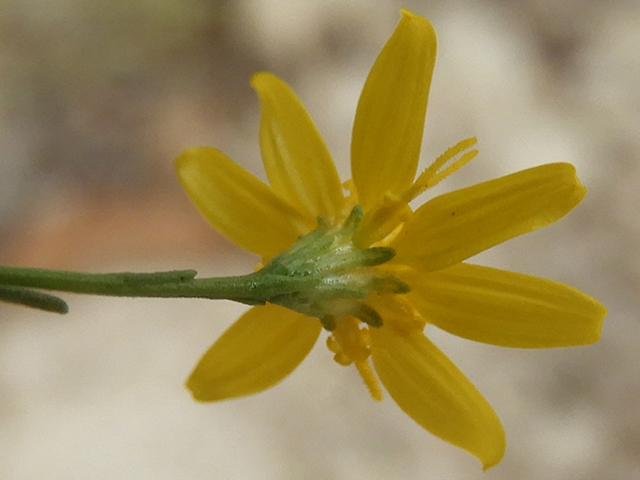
(372, 270)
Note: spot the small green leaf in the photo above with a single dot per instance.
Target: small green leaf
(33, 299)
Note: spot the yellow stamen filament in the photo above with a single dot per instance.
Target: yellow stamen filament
(437, 170)
(370, 379)
(351, 344)
(462, 161)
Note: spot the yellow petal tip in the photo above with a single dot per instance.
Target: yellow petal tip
(492, 450)
(495, 459)
(259, 77)
(409, 15)
(195, 391)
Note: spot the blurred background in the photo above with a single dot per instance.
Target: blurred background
(98, 98)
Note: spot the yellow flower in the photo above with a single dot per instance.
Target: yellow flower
(431, 244)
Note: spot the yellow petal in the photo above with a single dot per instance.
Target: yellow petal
(453, 227)
(387, 131)
(436, 394)
(295, 157)
(260, 349)
(239, 205)
(505, 308)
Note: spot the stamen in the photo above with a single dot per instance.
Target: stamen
(348, 340)
(437, 171)
(370, 379)
(461, 162)
(382, 220)
(352, 344)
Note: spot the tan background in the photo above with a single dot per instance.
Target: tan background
(97, 98)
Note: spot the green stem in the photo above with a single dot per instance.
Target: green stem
(181, 283)
(253, 289)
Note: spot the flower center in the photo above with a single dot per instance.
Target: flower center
(324, 275)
